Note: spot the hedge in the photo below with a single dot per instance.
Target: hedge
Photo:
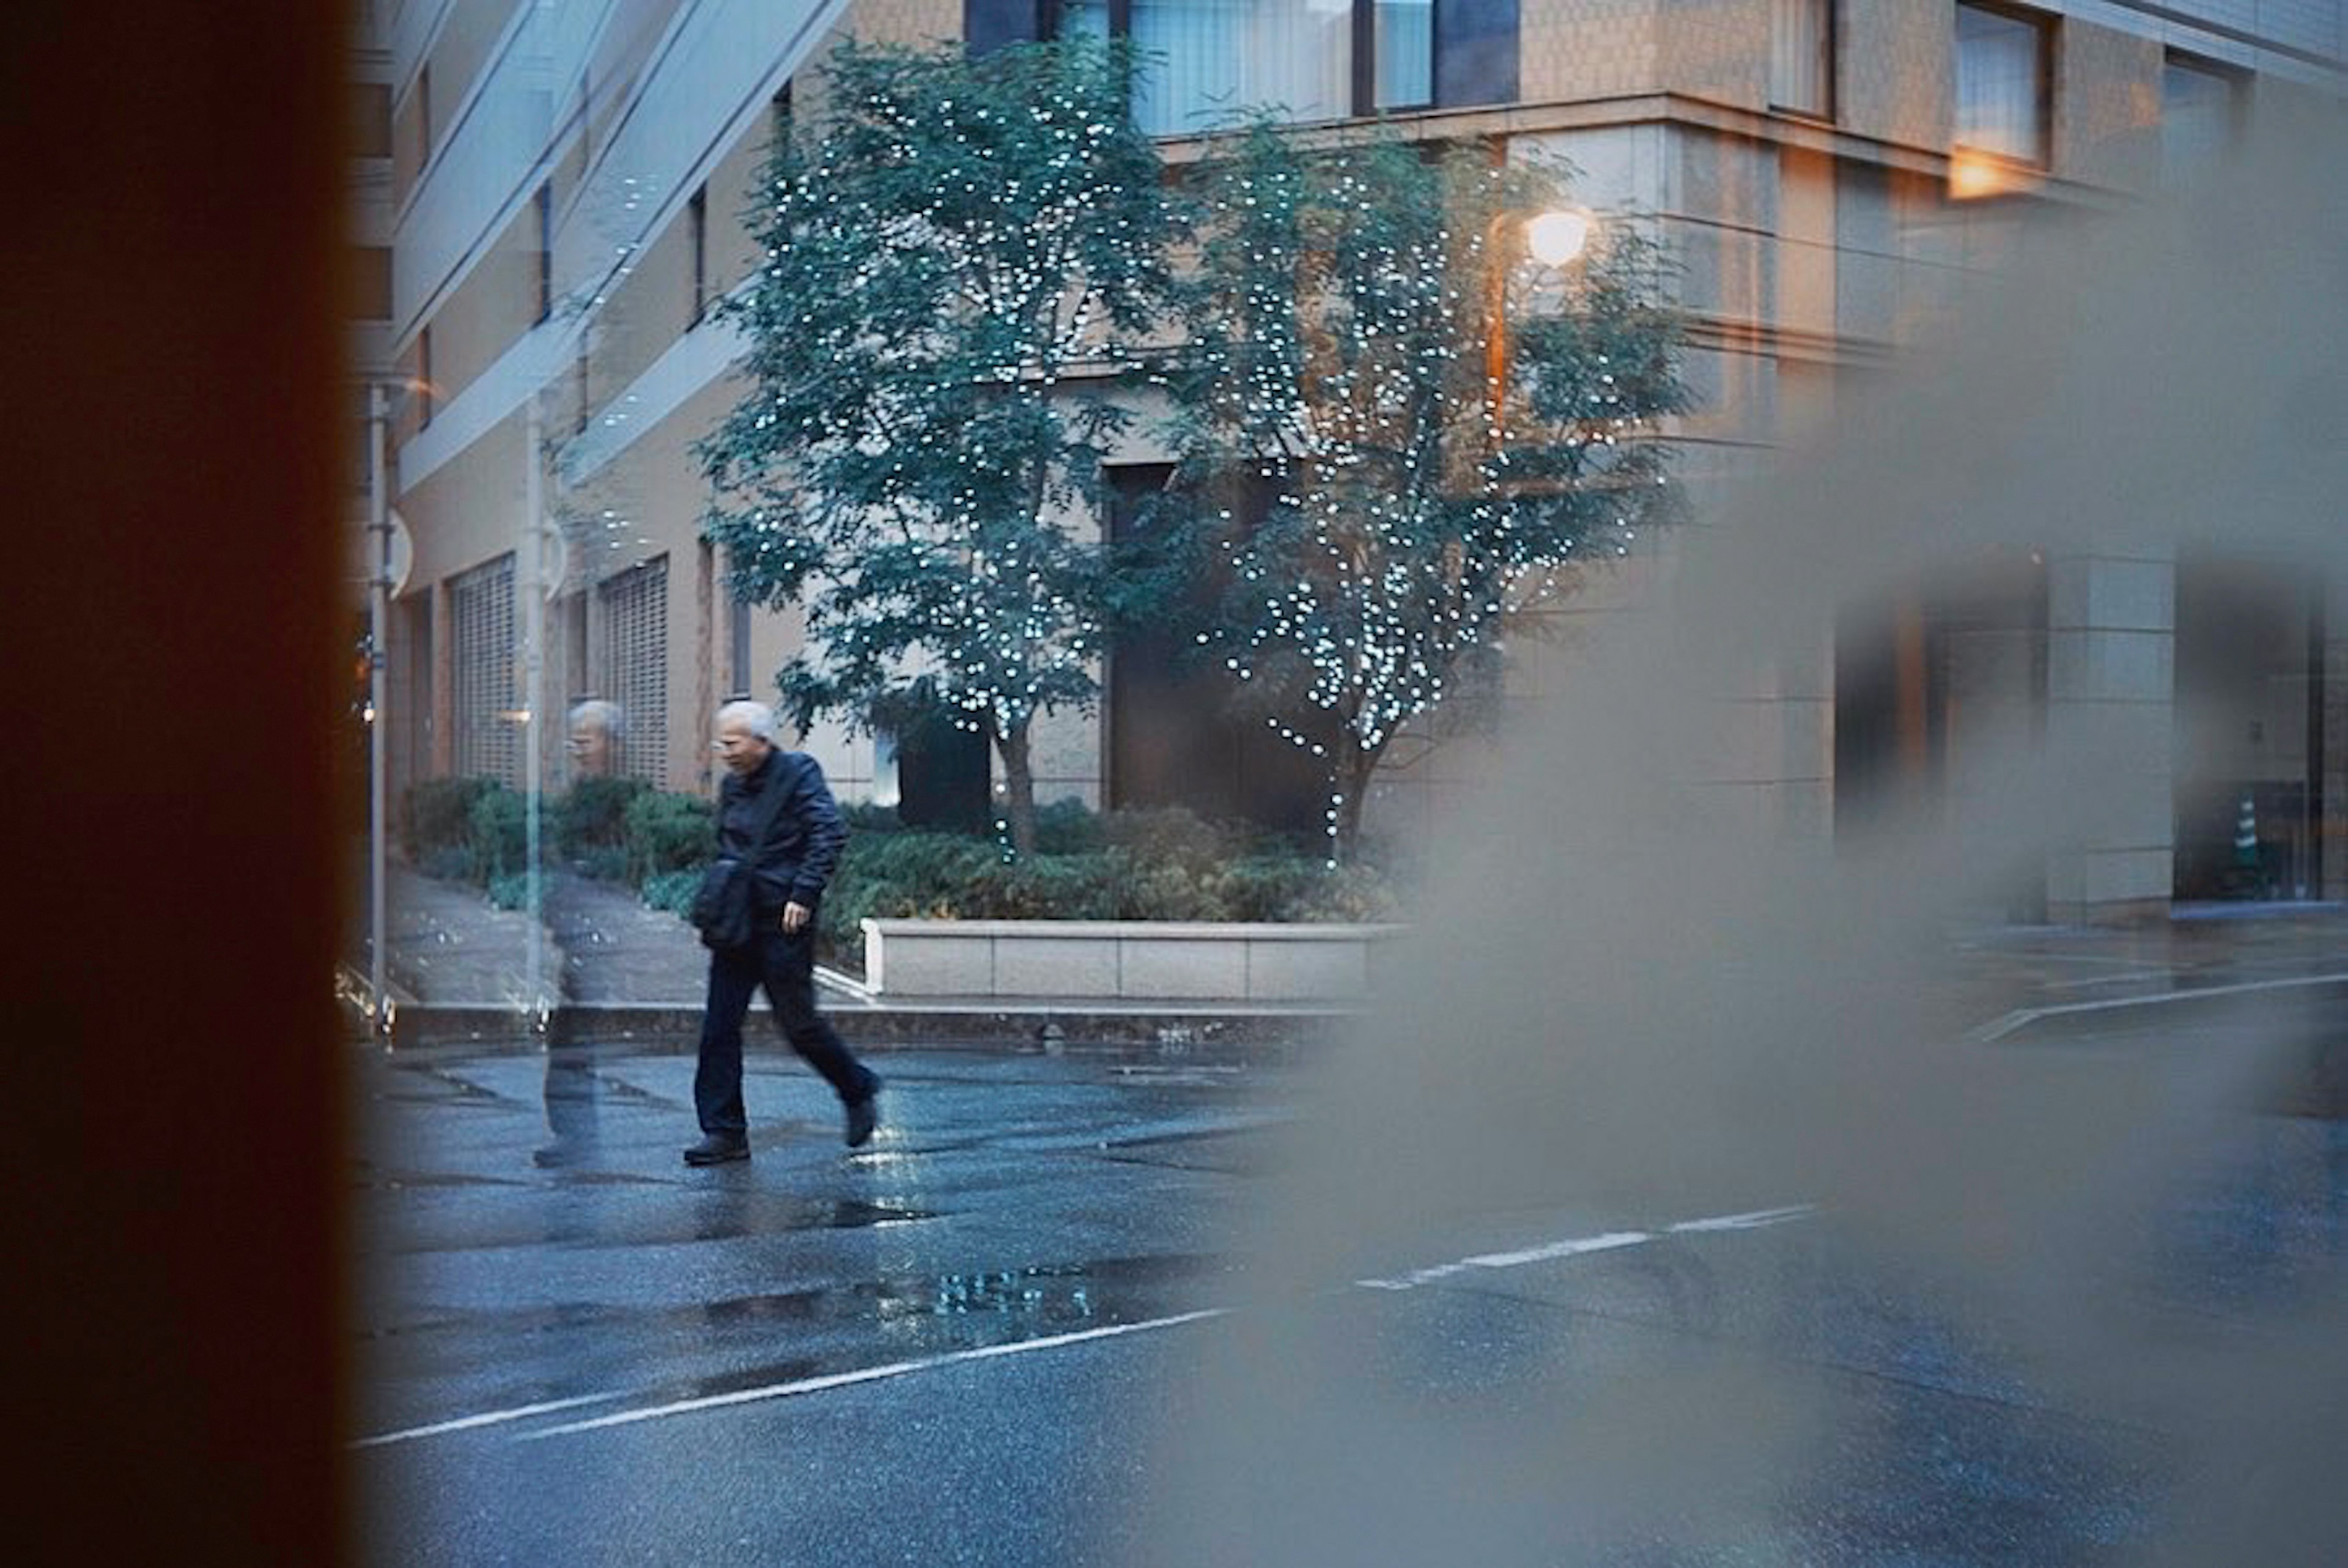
(1154, 864)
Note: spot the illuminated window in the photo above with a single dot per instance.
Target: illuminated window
(1213, 61)
(2005, 71)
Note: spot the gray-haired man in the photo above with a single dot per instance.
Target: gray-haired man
(790, 844)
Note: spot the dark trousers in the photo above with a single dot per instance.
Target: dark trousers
(785, 966)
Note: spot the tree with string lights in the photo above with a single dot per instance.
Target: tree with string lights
(1377, 506)
(965, 262)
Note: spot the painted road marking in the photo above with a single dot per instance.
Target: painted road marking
(868, 1375)
(494, 1417)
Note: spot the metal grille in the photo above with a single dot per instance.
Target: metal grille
(635, 666)
(489, 687)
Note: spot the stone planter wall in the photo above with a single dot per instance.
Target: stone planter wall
(1121, 959)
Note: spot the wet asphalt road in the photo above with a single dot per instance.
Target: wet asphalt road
(966, 1343)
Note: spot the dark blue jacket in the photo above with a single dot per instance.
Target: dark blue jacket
(800, 851)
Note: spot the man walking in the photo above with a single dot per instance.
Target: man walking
(787, 842)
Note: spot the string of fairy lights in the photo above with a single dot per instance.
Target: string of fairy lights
(1397, 539)
(940, 270)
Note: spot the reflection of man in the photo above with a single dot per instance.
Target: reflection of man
(571, 1084)
(790, 842)
(594, 738)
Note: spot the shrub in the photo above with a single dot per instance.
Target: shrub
(1067, 827)
(604, 863)
(511, 890)
(863, 816)
(500, 833)
(1171, 836)
(668, 832)
(891, 875)
(436, 815)
(672, 890)
(448, 863)
(593, 816)
(1294, 887)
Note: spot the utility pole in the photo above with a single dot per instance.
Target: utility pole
(532, 548)
(378, 615)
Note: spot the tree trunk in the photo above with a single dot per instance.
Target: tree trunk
(1349, 775)
(1018, 787)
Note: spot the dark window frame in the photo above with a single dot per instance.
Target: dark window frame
(1362, 87)
(1831, 112)
(542, 204)
(696, 219)
(2239, 80)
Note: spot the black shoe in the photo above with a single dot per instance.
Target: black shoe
(718, 1149)
(863, 1115)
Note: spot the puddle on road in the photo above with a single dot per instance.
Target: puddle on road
(917, 1313)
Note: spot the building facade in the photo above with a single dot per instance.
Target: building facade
(551, 196)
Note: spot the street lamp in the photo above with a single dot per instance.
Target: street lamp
(1556, 237)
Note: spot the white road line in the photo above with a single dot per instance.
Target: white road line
(868, 1375)
(1759, 1219)
(1572, 1246)
(494, 1417)
(1556, 1249)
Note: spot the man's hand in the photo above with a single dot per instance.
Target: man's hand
(795, 918)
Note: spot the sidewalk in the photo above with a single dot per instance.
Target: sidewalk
(607, 967)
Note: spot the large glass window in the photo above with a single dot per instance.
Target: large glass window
(2003, 69)
(1211, 60)
(488, 697)
(1218, 56)
(634, 606)
(1406, 45)
(1801, 57)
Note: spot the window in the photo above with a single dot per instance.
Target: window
(696, 225)
(488, 706)
(2200, 108)
(1403, 43)
(634, 616)
(2004, 68)
(1802, 57)
(1306, 60)
(424, 388)
(543, 205)
(424, 116)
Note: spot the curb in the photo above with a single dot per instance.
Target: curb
(2072, 1020)
(1174, 1028)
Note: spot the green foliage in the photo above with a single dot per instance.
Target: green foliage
(436, 818)
(863, 816)
(1124, 865)
(592, 816)
(511, 890)
(672, 890)
(500, 834)
(668, 833)
(953, 255)
(1373, 525)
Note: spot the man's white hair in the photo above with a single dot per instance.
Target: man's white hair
(596, 713)
(756, 717)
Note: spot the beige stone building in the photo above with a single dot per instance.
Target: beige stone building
(550, 195)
